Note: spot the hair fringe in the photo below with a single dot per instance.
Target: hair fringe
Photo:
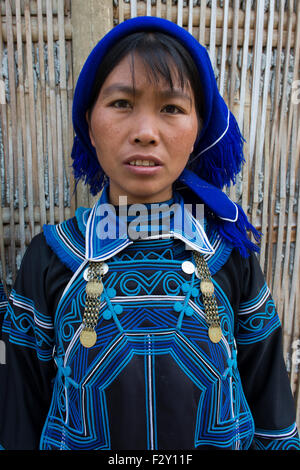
(87, 168)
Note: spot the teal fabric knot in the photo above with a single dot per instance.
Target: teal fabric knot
(118, 309)
(231, 363)
(108, 313)
(64, 373)
(189, 289)
(184, 308)
(185, 287)
(178, 307)
(112, 311)
(195, 292)
(111, 292)
(187, 310)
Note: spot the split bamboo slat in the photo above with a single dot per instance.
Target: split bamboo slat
(254, 46)
(36, 131)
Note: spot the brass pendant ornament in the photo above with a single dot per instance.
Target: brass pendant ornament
(94, 289)
(207, 287)
(209, 300)
(88, 337)
(215, 333)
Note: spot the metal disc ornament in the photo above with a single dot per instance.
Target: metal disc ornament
(94, 288)
(215, 333)
(207, 287)
(88, 337)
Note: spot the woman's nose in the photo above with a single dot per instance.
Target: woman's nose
(145, 131)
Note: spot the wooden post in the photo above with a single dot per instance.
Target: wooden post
(91, 20)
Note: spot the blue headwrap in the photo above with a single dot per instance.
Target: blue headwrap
(218, 151)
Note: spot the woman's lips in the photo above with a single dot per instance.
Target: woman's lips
(143, 165)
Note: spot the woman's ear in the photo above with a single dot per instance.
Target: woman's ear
(88, 120)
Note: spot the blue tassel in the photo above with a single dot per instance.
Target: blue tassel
(236, 233)
(220, 207)
(220, 164)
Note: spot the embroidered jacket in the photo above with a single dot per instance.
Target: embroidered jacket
(153, 380)
(3, 304)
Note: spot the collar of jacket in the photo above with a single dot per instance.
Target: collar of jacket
(107, 234)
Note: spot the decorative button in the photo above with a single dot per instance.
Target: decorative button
(67, 371)
(178, 307)
(189, 311)
(105, 268)
(111, 292)
(185, 288)
(188, 267)
(195, 292)
(118, 309)
(106, 314)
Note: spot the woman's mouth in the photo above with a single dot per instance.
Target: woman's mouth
(143, 166)
(143, 163)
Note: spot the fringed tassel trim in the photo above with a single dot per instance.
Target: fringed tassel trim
(221, 162)
(222, 253)
(60, 249)
(238, 233)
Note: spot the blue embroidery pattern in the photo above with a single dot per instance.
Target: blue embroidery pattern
(284, 439)
(26, 326)
(151, 309)
(257, 318)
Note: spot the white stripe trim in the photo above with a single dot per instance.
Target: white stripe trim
(236, 213)
(245, 311)
(32, 309)
(279, 436)
(90, 230)
(216, 141)
(67, 242)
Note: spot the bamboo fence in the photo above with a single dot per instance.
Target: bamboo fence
(254, 46)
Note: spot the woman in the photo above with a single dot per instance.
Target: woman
(146, 323)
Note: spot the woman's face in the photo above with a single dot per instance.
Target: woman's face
(143, 133)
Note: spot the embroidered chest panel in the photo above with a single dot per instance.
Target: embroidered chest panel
(152, 348)
(144, 291)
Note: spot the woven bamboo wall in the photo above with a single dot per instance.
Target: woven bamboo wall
(36, 68)
(254, 46)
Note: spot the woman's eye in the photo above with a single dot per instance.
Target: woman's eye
(121, 104)
(172, 109)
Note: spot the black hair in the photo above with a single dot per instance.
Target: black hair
(160, 53)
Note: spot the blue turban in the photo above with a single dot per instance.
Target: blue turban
(218, 151)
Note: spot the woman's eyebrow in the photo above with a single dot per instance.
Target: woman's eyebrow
(175, 93)
(117, 87)
(129, 90)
